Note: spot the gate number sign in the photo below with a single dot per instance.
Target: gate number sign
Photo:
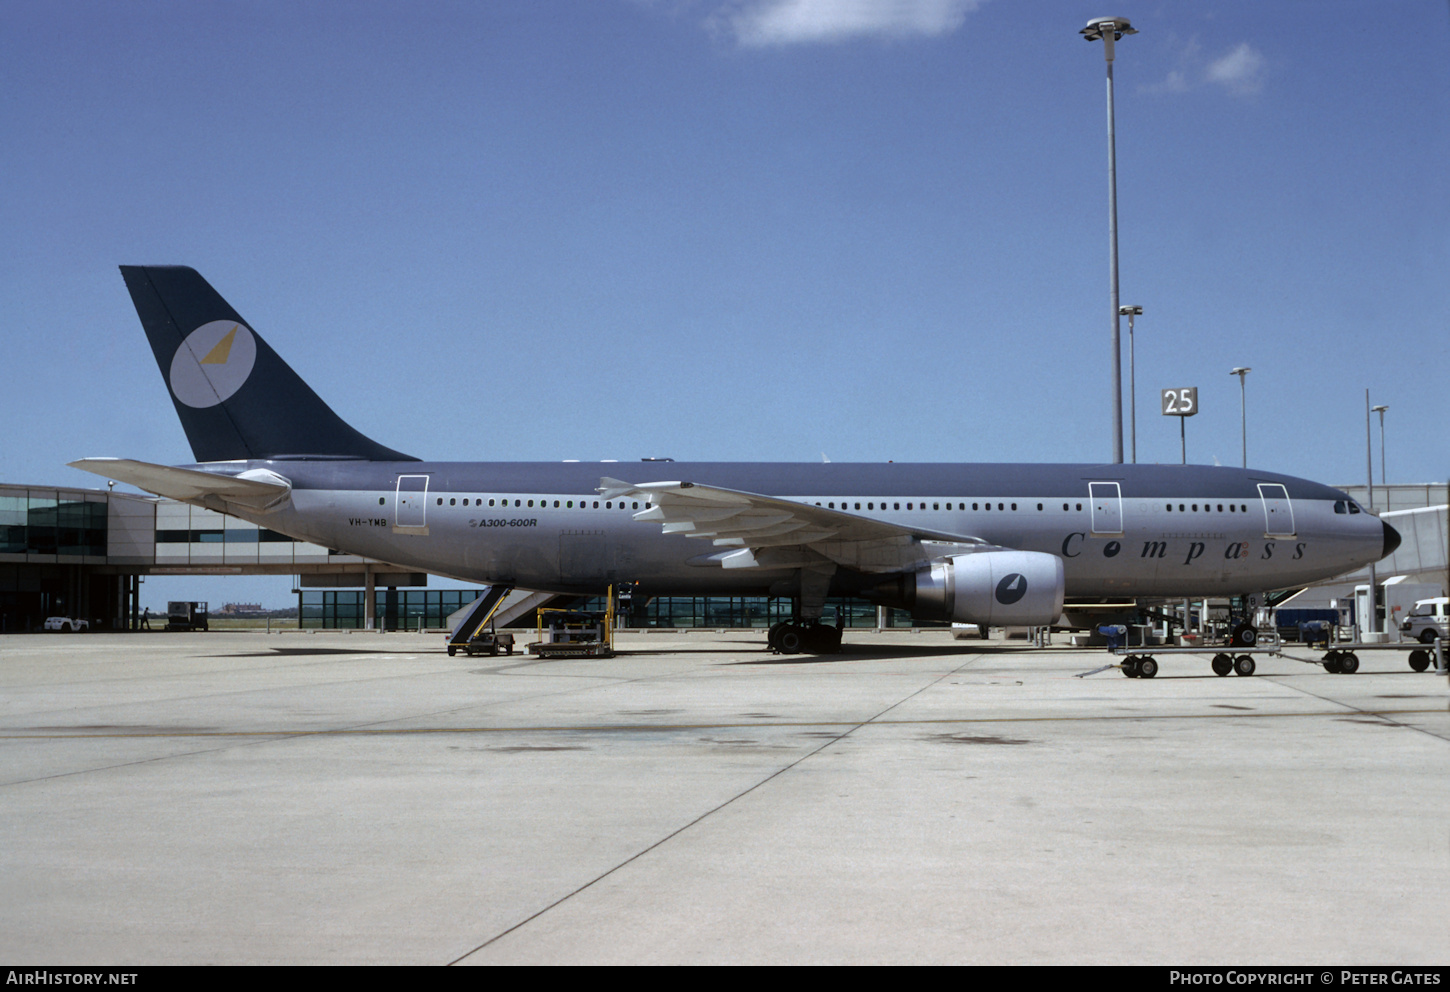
(1180, 402)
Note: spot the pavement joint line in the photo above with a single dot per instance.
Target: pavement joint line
(711, 812)
(1382, 714)
(660, 727)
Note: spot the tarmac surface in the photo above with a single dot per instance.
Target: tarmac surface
(364, 798)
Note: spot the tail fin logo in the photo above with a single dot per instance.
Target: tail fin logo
(213, 363)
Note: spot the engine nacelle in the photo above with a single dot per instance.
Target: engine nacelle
(1006, 588)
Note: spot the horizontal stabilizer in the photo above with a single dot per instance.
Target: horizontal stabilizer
(257, 488)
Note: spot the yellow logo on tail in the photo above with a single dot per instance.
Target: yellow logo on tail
(218, 355)
(212, 363)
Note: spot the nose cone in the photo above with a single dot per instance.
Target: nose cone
(1392, 540)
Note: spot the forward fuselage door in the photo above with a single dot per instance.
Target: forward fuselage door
(1278, 513)
(1107, 504)
(412, 504)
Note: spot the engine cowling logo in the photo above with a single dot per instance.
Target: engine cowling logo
(1012, 588)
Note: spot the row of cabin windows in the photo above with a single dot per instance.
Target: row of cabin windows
(1339, 507)
(543, 503)
(937, 506)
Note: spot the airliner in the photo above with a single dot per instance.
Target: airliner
(1000, 544)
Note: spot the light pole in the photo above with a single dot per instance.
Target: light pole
(1381, 411)
(1109, 30)
(1369, 624)
(1243, 411)
(1130, 312)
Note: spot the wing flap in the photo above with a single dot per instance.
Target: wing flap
(762, 527)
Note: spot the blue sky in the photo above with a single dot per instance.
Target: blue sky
(739, 229)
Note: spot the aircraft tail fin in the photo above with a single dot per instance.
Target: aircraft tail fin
(237, 399)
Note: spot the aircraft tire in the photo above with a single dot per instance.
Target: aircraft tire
(1419, 660)
(1349, 663)
(1222, 664)
(820, 638)
(789, 640)
(1244, 664)
(772, 636)
(1147, 667)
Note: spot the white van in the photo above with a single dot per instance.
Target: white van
(1427, 620)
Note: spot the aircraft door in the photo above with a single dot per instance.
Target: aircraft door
(1278, 512)
(412, 503)
(1106, 499)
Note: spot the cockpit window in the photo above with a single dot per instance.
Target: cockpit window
(1354, 507)
(1340, 507)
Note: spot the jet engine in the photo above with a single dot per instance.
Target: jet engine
(1006, 588)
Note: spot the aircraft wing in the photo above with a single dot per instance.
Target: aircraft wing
(257, 489)
(766, 531)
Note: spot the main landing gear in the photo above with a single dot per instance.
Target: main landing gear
(793, 637)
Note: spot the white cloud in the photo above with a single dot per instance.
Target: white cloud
(766, 23)
(1241, 70)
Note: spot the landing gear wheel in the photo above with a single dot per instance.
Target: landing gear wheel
(1147, 667)
(772, 636)
(1349, 663)
(1244, 664)
(1419, 659)
(1222, 664)
(789, 641)
(1245, 636)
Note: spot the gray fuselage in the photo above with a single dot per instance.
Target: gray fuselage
(1151, 532)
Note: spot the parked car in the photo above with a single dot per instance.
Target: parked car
(66, 625)
(1427, 620)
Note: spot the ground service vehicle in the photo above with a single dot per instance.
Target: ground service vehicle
(1427, 620)
(186, 616)
(66, 625)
